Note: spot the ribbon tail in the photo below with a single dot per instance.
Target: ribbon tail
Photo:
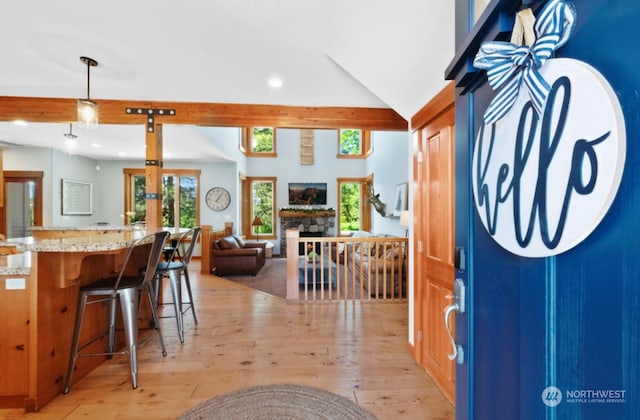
(538, 89)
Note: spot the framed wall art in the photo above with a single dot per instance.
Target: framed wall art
(400, 199)
(76, 197)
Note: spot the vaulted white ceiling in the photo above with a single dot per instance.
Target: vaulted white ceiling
(362, 53)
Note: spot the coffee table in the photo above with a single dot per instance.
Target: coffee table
(318, 273)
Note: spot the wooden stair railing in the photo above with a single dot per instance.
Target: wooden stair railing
(371, 268)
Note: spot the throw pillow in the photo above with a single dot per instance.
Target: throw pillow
(227, 243)
(239, 240)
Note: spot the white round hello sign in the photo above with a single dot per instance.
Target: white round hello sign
(543, 182)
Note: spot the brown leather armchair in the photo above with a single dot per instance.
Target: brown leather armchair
(232, 255)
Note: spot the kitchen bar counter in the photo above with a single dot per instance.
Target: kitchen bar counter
(38, 300)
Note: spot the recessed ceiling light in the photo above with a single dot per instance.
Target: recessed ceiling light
(275, 82)
(96, 145)
(21, 123)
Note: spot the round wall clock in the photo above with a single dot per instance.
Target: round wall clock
(218, 198)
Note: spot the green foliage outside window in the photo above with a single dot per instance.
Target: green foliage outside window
(349, 206)
(187, 203)
(350, 142)
(186, 211)
(262, 193)
(262, 139)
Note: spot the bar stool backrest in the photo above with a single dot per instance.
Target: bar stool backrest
(195, 233)
(157, 241)
(182, 248)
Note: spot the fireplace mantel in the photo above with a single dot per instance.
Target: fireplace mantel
(306, 213)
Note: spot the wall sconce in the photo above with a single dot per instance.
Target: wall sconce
(404, 220)
(88, 109)
(257, 222)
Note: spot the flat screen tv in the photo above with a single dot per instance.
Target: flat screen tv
(307, 193)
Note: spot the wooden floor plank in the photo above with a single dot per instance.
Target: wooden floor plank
(244, 338)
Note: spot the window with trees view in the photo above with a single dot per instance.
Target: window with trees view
(179, 198)
(353, 143)
(352, 209)
(263, 199)
(263, 140)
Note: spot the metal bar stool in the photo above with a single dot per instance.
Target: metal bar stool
(127, 289)
(174, 269)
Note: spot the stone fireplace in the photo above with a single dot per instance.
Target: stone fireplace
(312, 223)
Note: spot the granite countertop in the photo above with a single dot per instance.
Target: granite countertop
(20, 262)
(81, 228)
(93, 243)
(15, 264)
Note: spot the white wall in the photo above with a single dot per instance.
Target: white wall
(388, 163)
(57, 165)
(287, 167)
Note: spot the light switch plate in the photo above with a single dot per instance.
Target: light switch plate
(15, 284)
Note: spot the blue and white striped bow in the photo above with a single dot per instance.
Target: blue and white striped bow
(508, 65)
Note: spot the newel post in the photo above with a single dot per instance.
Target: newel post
(205, 249)
(292, 264)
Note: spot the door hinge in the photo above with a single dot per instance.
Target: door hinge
(419, 336)
(419, 156)
(419, 246)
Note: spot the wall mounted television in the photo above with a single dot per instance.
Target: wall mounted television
(307, 193)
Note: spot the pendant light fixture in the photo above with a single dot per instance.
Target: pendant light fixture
(88, 109)
(70, 134)
(70, 141)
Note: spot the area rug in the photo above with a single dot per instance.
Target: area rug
(279, 401)
(271, 279)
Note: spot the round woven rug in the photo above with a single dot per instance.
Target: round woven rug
(280, 401)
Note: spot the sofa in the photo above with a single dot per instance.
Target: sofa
(377, 262)
(232, 255)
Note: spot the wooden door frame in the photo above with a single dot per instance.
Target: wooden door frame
(440, 108)
(23, 176)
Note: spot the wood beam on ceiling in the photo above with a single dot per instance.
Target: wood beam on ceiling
(63, 110)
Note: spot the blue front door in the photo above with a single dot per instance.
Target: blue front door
(552, 337)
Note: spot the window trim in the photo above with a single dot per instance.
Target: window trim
(365, 145)
(247, 206)
(129, 173)
(365, 206)
(246, 147)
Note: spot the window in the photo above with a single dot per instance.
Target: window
(180, 191)
(353, 210)
(259, 141)
(261, 196)
(353, 143)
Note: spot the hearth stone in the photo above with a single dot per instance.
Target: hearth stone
(323, 226)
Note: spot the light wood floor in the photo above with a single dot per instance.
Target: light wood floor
(245, 337)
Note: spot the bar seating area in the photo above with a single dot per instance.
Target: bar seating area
(49, 278)
(126, 289)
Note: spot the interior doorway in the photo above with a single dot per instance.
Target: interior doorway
(22, 203)
(433, 236)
